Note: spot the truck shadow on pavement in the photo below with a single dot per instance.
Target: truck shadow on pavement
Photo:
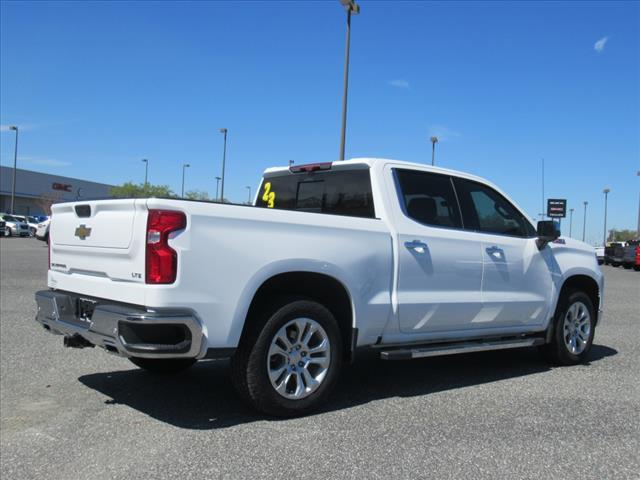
(203, 397)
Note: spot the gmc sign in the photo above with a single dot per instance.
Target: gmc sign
(65, 187)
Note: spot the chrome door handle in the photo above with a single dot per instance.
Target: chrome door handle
(416, 245)
(495, 251)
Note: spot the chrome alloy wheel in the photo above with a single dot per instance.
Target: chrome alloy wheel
(298, 358)
(577, 328)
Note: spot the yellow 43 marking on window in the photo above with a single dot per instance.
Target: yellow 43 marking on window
(268, 196)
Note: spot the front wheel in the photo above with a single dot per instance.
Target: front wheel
(163, 365)
(574, 327)
(288, 365)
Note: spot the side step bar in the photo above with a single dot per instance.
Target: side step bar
(454, 348)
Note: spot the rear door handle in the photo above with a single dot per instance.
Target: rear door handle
(495, 251)
(417, 246)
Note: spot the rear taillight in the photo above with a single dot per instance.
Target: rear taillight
(162, 260)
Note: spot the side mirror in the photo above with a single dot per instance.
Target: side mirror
(548, 231)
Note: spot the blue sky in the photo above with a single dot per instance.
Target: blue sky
(96, 87)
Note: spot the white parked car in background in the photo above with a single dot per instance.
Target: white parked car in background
(32, 223)
(600, 255)
(42, 232)
(403, 259)
(16, 227)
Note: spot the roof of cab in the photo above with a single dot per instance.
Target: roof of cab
(376, 162)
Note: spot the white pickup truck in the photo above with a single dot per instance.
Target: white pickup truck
(406, 259)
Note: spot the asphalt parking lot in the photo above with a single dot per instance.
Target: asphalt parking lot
(69, 413)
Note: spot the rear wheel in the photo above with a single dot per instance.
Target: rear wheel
(163, 365)
(574, 328)
(288, 364)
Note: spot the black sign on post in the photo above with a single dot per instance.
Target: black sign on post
(556, 207)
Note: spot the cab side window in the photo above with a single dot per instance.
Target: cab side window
(485, 210)
(429, 198)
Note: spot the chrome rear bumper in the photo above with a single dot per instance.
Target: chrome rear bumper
(128, 331)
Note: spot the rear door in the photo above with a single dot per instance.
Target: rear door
(439, 263)
(517, 279)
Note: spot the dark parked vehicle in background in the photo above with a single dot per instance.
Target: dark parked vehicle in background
(613, 253)
(631, 255)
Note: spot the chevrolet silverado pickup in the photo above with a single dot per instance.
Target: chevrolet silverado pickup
(400, 258)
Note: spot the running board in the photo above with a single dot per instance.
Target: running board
(454, 348)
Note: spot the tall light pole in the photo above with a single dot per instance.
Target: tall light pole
(571, 221)
(606, 194)
(15, 165)
(224, 159)
(217, 185)
(248, 187)
(146, 173)
(434, 140)
(184, 167)
(638, 175)
(584, 221)
(352, 8)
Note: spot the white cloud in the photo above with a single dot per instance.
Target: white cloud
(599, 45)
(48, 162)
(443, 133)
(399, 83)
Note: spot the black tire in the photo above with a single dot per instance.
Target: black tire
(636, 268)
(627, 266)
(249, 364)
(557, 351)
(168, 366)
(615, 264)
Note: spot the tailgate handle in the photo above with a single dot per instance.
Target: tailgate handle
(83, 211)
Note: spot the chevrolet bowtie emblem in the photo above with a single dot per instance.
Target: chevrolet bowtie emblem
(83, 232)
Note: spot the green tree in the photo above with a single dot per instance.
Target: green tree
(621, 235)
(197, 195)
(137, 190)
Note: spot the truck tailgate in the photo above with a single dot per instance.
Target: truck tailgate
(97, 247)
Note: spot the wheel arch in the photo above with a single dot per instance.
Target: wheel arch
(586, 284)
(323, 288)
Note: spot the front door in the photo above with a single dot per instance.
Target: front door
(517, 279)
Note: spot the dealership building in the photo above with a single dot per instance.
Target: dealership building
(36, 190)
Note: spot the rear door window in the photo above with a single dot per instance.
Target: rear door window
(429, 198)
(336, 192)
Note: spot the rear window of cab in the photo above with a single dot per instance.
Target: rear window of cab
(334, 192)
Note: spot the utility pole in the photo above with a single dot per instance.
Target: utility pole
(249, 188)
(352, 8)
(217, 185)
(606, 194)
(15, 165)
(184, 167)
(224, 158)
(434, 140)
(584, 221)
(146, 172)
(571, 221)
(543, 209)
